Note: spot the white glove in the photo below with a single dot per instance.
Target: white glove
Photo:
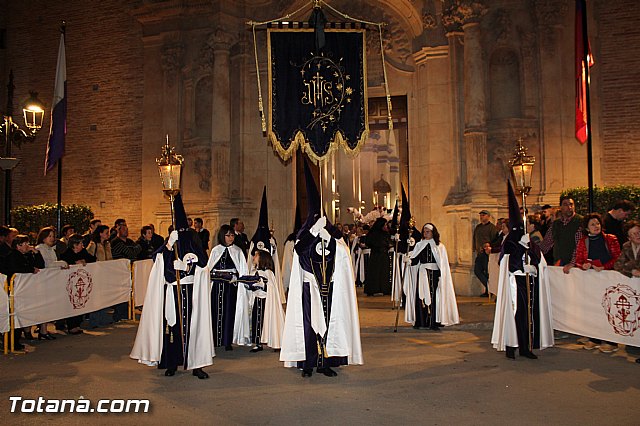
(179, 265)
(173, 237)
(531, 270)
(524, 240)
(318, 229)
(406, 259)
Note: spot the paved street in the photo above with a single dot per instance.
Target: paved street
(409, 377)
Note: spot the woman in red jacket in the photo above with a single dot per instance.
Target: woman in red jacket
(597, 250)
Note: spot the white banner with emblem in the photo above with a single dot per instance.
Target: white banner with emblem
(603, 305)
(54, 293)
(4, 307)
(141, 272)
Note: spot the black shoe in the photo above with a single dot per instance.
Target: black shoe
(256, 349)
(327, 372)
(529, 355)
(46, 337)
(200, 374)
(76, 332)
(434, 328)
(307, 372)
(638, 360)
(228, 348)
(511, 352)
(417, 327)
(18, 346)
(170, 372)
(485, 294)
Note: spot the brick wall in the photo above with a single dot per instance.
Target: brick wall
(618, 62)
(104, 88)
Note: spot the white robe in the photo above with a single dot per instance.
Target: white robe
(446, 305)
(147, 348)
(343, 336)
(273, 322)
(504, 322)
(242, 320)
(400, 274)
(276, 263)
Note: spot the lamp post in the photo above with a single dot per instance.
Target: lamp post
(33, 111)
(521, 171)
(170, 169)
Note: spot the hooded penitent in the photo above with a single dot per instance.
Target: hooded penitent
(261, 238)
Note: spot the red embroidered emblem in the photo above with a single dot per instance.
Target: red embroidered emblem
(622, 305)
(79, 286)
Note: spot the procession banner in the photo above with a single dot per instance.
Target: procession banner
(317, 99)
(53, 293)
(603, 305)
(141, 272)
(4, 307)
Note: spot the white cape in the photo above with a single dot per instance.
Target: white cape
(343, 335)
(242, 321)
(147, 348)
(446, 305)
(504, 322)
(273, 322)
(276, 264)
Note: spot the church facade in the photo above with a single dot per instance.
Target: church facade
(467, 79)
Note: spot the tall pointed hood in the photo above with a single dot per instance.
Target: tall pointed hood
(297, 224)
(393, 226)
(516, 225)
(261, 238)
(313, 198)
(185, 242)
(405, 216)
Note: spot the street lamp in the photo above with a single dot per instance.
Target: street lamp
(521, 170)
(33, 112)
(170, 169)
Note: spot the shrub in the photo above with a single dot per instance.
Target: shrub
(604, 198)
(32, 218)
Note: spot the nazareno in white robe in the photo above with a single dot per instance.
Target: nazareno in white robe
(504, 321)
(343, 336)
(242, 321)
(446, 305)
(273, 322)
(147, 348)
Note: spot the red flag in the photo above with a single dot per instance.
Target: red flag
(583, 57)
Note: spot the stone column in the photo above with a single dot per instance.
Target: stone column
(475, 133)
(220, 42)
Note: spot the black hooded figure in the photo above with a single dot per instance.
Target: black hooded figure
(182, 257)
(378, 276)
(322, 282)
(517, 247)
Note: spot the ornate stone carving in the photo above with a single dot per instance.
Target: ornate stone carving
(205, 58)
(203, 171)
(172, 60)
(429, 21)
(550, 15)
(550, 12)
(221, 40)
(503, 27)
(457, 13)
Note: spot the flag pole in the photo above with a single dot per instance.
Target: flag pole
(63, 30)
(585, 55)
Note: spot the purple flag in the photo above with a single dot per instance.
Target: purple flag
(55, 144)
